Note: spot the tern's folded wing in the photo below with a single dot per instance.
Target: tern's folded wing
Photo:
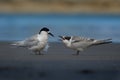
(81, 39)
(31, 41)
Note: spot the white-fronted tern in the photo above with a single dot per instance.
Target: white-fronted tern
(37, 42)
(80, 43)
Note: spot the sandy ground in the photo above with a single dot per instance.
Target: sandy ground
(96, 63)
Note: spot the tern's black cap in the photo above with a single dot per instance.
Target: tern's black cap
(44, 29)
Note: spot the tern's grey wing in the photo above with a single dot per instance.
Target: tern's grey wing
(33, 38)
(31, 41)
(80, 43)
(81, 39)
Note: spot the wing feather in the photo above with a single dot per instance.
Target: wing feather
(81, 39)
(28, 42)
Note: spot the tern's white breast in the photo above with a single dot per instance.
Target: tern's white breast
(42, 37)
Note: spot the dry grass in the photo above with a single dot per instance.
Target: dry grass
(93, 6)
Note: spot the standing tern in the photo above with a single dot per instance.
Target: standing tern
(80, 43)
(37, 42)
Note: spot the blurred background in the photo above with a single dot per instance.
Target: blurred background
(98, 19)
(88, 18)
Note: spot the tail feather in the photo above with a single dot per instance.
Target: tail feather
(105, 41)
(19, 43)
(14, 44)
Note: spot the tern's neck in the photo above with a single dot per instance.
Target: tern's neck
(43, 33)
(43, 36)
(67, 43)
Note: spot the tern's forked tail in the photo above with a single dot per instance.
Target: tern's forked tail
(19, 43)
(105, 41)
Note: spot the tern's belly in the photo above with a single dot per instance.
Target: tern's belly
(40, 46)
(80, 45)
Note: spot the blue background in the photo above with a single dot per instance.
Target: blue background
(99, 26)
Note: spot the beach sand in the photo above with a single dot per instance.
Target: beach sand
(96, 63)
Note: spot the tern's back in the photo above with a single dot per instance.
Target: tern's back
(80, 42)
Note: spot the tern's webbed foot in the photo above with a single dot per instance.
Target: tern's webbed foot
(76, 53)
(39, 53)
